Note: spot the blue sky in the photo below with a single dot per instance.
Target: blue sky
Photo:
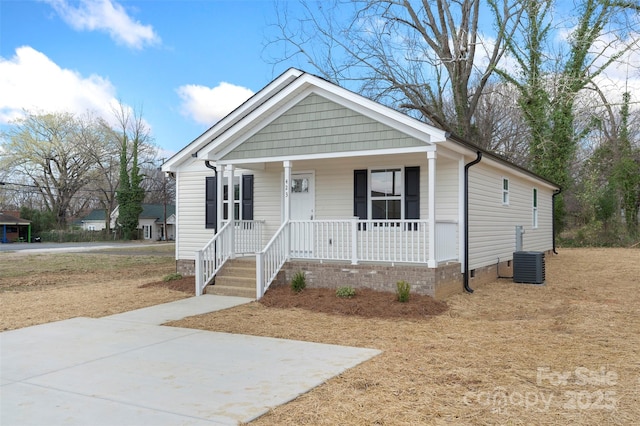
(185, 63)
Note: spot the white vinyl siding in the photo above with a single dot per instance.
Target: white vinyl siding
(492, 228)
(191, 234)
(446, 189)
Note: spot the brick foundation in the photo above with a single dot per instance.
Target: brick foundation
(438, 282)
(186, 267)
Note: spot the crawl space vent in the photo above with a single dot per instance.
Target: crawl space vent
(528, 267)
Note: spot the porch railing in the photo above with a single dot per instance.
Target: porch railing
(210, 259)
(403, 241)
(354, 240)
(271, 259)
(247, 239)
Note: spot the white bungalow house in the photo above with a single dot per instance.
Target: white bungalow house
(351, 192)
(152, 220)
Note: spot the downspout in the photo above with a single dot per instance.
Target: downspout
(466, 221)
(215, 170)
(553, 218)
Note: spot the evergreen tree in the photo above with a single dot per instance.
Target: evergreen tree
(130, 195)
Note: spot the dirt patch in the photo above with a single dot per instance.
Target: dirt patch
(366, 303)
(184, 284)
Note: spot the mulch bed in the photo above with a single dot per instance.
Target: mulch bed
(366, 303)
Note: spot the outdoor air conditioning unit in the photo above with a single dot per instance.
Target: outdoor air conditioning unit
(528, 267)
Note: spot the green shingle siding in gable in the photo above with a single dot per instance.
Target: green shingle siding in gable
(316, 126)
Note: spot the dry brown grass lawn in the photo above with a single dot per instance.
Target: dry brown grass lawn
(40, 288)
(563, 353)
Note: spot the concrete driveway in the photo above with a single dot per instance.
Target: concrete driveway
(126, 369)
(26, 248)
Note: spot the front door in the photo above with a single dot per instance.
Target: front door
(302, 208)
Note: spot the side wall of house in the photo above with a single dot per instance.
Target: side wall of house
(191, 234)
(492, 224)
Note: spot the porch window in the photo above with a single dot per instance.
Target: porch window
(242, 203)
(386, 194)
(535, 208)
(236, 199)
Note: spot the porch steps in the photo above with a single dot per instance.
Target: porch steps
(236, 278)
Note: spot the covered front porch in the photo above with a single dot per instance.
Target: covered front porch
(347, 242)
(387, 227)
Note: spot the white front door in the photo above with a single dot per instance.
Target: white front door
(302, 208)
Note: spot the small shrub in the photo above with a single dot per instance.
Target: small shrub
(402, 291)
(299, 282)
(172, 277)
(346, 292)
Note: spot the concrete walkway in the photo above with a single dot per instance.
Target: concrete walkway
(126, 369)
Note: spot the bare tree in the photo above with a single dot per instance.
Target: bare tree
(426, 57)
(49, 152)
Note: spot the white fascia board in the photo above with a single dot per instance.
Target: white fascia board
(231, 119)
(516, 171)
(329, 155)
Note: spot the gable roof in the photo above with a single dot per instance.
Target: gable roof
(291, 88)
(95, 214)
(156, 211)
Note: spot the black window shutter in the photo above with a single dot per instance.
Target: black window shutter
(360, 194)
(247, 197)
(412, 193)
(211, 203)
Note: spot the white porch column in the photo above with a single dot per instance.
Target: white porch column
(230, 209)
(287, 205)
(219, 201)
(431, 156)
(287, 190)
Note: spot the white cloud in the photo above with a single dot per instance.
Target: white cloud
(108, 16)
(32, 81)
(208, 105)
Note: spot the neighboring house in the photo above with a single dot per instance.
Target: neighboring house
(151, 221)
(352, 192)
(94, 221)
(13, 228)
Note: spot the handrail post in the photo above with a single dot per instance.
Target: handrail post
(199, 276)
(354, 240)
(259, 275)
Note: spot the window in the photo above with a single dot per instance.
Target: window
(535, 208)
(505, 191)
(242, 203)
(236, 199)
(390, 193)
(386, 194)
